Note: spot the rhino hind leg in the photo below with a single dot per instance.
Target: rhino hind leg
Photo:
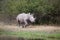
(19, 23)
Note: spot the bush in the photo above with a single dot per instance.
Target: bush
(45, 11)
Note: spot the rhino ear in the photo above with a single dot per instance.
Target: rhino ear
(29, 13)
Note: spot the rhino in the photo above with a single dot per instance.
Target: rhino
(23, 19)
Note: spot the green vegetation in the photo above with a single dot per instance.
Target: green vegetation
(32, 35)
(46, 11)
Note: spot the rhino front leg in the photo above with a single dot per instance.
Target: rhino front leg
(25, 24)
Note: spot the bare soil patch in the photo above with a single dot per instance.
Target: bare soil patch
(30, 28)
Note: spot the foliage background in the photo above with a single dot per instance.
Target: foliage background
(45, 11)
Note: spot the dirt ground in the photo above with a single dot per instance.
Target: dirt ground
(30, 28)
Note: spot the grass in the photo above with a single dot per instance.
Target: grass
(32, 35)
